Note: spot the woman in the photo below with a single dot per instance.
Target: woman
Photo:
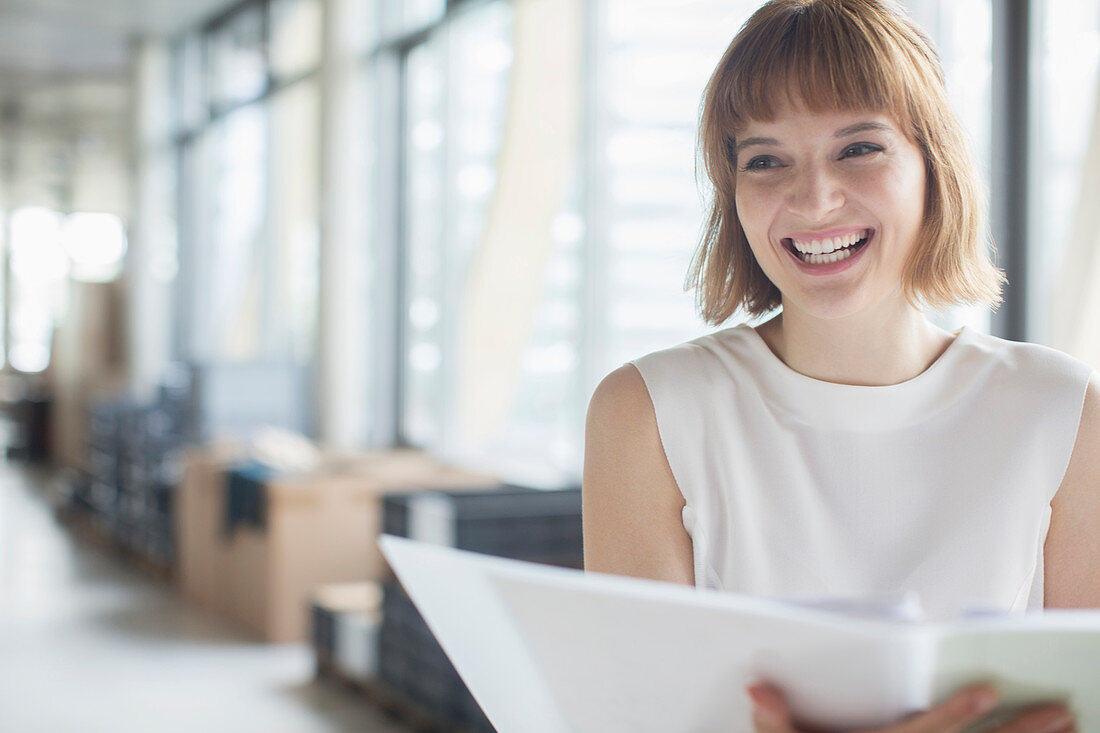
(847, 446)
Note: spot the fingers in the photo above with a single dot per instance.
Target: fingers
(769, 710)
(960, 710)
(966, 707)
(1041, 719)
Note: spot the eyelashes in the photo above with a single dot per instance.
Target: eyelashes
(866, 149)
(757, 163)
(768, 162)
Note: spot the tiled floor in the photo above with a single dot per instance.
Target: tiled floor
(89, 644)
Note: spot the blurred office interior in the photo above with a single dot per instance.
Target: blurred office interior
(280, 273)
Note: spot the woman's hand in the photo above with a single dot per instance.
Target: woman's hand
(771, 715)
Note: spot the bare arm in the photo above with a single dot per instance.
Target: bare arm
(631, 503)
(1072, 550)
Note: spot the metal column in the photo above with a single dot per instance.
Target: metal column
(1009, 209)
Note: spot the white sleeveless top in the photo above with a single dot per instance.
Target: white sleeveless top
(799, 487)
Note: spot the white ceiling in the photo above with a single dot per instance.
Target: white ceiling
(87, 37)
(69, 59)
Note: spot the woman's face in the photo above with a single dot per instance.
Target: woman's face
(850, 184)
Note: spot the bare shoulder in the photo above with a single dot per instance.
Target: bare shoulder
(621, 401)
(632, 504)
(1090, 418)
(1084, 463)
(1072, 551)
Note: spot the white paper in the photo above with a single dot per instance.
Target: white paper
(1052, 656)
(618, 660)
(539, 646)
(454, 593)
(551, 650)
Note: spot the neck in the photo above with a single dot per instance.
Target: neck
(875, 350)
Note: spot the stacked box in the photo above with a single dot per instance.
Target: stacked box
(514, 522)
(345, 620)
(413, 664)
(80, 494)
(31, 438)
(356, 654)
(134, 465)
(106, 466)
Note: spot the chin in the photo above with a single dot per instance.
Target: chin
(832, 309)
(842, 306)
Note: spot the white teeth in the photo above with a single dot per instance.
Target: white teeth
(827, 246)
(822, 252)
(828, 258)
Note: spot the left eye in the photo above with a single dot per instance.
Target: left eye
(859, 149)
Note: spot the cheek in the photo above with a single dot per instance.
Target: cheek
(740, 205)
(907, 188)
(751, 210)
(911, 198)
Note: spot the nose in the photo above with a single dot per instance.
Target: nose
(814, 193)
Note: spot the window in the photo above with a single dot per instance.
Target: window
(653, 59)
(188, 98)
(39, 273)
(294, 240)
(493, 326)
(296, 28)
(230, 260)
(963, 33)
(457, 84)
(95, 244)
(400, 17)
(1066, 76)
(249, 171)
(425, 249)
(237, 65)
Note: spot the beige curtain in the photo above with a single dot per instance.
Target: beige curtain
(506, 282)
(1076, 307)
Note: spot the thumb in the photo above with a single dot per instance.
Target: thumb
(769, 710)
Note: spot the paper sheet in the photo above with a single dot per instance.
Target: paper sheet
(550, 649)
(454, 593)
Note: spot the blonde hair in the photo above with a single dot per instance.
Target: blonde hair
(838, 55)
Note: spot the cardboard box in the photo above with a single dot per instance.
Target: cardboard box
(203, 549)
(322, 528)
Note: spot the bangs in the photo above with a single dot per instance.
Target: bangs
(825, 57)
(839, 56)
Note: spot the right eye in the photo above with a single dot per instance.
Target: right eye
(760, 163)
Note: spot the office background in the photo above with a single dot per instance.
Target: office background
(422, 224)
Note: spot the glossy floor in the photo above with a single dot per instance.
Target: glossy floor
(89, 644)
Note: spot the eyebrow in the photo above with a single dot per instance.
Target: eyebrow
(868, 126)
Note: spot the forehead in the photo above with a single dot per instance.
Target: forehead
(793, 118)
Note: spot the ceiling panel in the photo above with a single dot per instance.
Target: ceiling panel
(67, 60)
(156, 17)
(29, 42)
(88, 36)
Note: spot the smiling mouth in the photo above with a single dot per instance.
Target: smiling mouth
(839, 250)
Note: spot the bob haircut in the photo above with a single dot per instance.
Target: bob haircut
(841, 55)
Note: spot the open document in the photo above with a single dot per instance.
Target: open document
(547, 649)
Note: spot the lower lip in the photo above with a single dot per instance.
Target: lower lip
(833, 267)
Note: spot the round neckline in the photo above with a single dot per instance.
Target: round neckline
(943, 357)
(853, 407)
